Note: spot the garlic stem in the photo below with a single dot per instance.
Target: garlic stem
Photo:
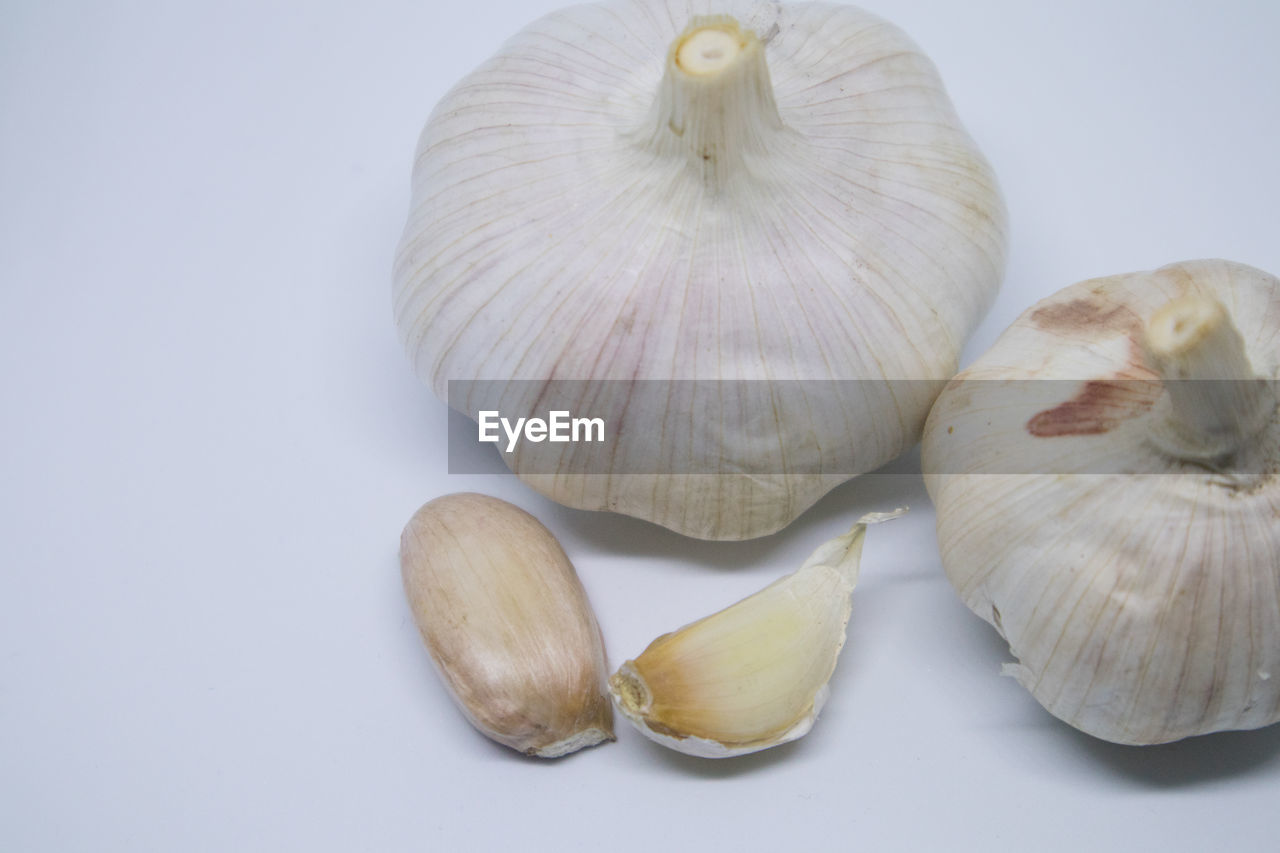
(715, 103)
(1217, 401)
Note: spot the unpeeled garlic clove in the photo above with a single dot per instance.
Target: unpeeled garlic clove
(507, 623)
(755, 674)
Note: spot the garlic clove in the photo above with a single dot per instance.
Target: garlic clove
(507, 624)
(1106, 484)
(736, 192)
(755, 674)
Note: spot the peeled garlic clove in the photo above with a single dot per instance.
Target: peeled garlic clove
(755, 674)
(732, 192)
(1107, 493)
(507, 623)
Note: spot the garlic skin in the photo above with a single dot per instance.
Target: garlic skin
(1119, 527)
(671, 190)
(755, 674)
(507, 623)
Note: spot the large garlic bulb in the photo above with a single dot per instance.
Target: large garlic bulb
(1107, 481)
(687, 190)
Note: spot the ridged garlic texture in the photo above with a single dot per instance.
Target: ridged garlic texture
(1107, 484)
(734, 192)
(507, 624)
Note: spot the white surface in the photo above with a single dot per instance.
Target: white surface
(209, 441)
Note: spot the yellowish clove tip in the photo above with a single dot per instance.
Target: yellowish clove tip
(878, 517)
(630, 689)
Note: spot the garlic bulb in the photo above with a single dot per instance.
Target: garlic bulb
(507, 623)
(732, 192)
(1119, 526)
(755, 674)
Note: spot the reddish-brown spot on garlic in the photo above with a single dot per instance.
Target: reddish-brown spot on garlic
(1085, 315)
(1099, 407)
(1091, 318)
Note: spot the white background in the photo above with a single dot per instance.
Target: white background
(209, 441)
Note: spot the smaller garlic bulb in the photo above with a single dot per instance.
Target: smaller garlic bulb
(1107, 481)
(507, 624)
(755, 674)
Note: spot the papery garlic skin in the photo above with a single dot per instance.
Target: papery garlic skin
(804, 206)
(507, 623)
(1122, 530)
(755, 674)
